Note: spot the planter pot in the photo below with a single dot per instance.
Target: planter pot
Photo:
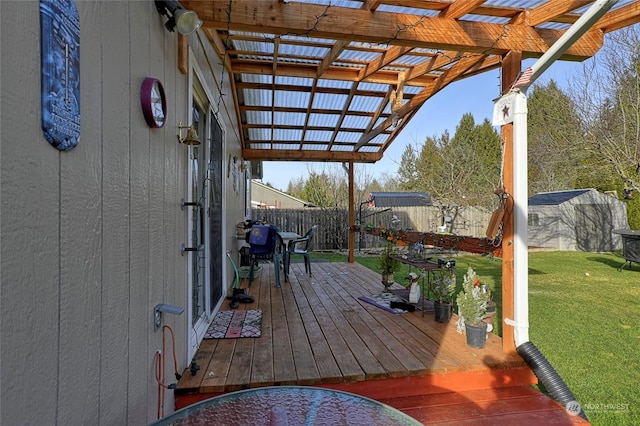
(387, 281)
(442, 311)
(490, 315)
(476, 335)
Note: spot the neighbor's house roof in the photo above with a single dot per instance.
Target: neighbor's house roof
(399, 199)
(264, 196)
(555, 197)
(338, 80)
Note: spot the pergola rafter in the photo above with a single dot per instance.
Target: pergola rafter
(340, 62)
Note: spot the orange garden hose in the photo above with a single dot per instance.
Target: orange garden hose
(159, 369)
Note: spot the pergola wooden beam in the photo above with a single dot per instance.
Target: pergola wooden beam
(552, 9)
(458, 9)
(450, 75)
(341, 23)
(620, 18)
(310, 155)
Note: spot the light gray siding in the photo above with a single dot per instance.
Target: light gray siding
(90, 238)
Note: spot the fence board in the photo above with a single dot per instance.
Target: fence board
(333, 224)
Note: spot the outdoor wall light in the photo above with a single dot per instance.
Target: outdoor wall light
(186, 21)
(191, 138)
(161, 308)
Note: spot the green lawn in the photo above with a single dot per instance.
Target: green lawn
(584, 318)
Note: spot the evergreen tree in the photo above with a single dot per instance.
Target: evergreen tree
(554, 132)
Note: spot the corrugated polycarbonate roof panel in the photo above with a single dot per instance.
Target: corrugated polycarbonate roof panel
(260, 146)
(287, 134)
(298, 50)
(316, 147)
(347, 137)
(289, 118)
(408, 10)
(330, 120)
(334, 84)
(358, 55)
(285, 98)
(380, 139)
(294, 81)
(254, 46)
(356, 122)
(257, 97)
(317, 135)
(329, 101)
(374, 87)
(254, 117)
(259, 134)
(256, 78)
(354, 4)
(342, 148)
(364, 103)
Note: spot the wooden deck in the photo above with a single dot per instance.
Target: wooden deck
(315, 332)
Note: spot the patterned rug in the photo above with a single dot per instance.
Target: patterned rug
(235, 324)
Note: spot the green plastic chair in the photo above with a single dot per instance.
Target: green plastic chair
(301, 246)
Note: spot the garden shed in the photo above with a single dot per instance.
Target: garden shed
(399, 199)
(579, 219)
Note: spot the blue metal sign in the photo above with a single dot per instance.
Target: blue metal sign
(60, 56)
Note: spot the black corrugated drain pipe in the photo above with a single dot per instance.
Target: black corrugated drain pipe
(549, 377)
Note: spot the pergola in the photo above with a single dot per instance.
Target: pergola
(338, 80)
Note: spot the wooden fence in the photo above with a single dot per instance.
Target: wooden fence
(333, 224)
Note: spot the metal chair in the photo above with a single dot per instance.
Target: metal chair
(265, 244)
(300, 246)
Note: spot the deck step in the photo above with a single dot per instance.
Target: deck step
(505, 405)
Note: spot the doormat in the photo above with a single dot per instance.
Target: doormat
(235, 324)
(383, 301)
(404, 293)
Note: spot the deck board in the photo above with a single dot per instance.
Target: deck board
(316, 332)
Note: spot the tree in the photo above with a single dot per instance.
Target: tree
(408, 176)
(459, 171)
(554, 140)
(607, 96)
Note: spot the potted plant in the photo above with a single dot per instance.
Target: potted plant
(472, 306)
(443, 286)
(388, 264)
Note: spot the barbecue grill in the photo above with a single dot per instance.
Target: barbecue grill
(630, 246)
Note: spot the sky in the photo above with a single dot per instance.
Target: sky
(442, 112)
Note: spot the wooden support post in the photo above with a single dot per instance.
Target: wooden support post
(511, 65)
(183, 54)
(352, 215)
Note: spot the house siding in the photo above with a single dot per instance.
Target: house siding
(91, 237)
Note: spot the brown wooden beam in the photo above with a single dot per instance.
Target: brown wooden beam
(341, 23)
(332, 73)
(619, 18)
(459, 68)
(309, 155)
(183, 54)
(511, 65)
(352, 214)
(552, 9)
